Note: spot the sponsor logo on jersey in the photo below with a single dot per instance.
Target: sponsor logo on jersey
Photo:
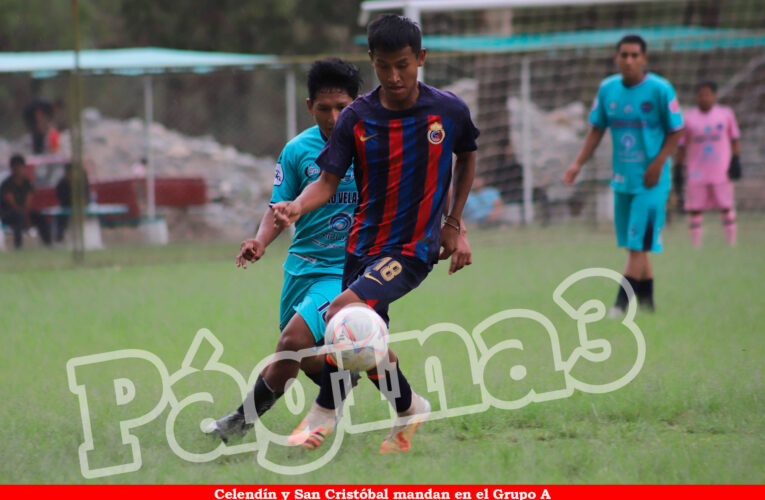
(647, 107)
(365, 138)
(312, 171)
(436, 134)
(344, 198)
(340, 222)
(720, 126)
(628, 141)
(613, 105)
(278, 175)
(628, 108)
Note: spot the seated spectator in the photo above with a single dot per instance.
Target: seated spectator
(15, 192)
(484, 205)
(64, 195)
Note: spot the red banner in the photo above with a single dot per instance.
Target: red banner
(384, 492)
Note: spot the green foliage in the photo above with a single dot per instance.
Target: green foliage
(263, 26)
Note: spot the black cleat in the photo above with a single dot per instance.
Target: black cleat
(232, 425)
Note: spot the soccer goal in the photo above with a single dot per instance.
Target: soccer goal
(530, 70)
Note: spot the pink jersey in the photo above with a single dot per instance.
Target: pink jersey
(707, 139)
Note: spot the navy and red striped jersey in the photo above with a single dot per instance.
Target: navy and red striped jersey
(403, 166)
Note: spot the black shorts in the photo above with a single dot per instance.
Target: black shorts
(381, 279)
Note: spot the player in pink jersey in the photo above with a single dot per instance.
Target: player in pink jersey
(709, 148)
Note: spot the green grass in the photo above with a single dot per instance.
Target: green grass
(692, 415)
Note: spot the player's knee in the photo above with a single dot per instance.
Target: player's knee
(346, 298)
(293, 339)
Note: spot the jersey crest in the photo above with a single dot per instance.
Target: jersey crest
(436, 134)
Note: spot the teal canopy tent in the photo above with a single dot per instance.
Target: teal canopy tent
(137, 62)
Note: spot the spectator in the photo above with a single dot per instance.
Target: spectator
(34, 114)
(484, 205)
(14, 204)
(64, 195)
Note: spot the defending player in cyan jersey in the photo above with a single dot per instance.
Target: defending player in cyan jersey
(401, 138)
(710, 148)
(645, 120)
(314, 265)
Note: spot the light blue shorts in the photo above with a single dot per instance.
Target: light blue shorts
(308, 296)
(639, 219)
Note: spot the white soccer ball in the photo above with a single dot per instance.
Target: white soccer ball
(357, 337)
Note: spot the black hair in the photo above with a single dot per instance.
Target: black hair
(17, 159)
(391, 32)
(333, 73)
(710, 84)
(633, 39)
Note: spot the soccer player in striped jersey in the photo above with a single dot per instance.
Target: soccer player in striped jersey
(642, 111)
(400, 138)
(314, 265)
(710, 148)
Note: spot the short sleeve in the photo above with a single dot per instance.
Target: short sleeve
(286, 180)
(598, 116)
(672, 115)
(338, 153)
(735, 133)
(468, 132)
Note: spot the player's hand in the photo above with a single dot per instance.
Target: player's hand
(285, 213)
(570, 175)
(250, 250)
(652, 175)
(449, 237)
(461, 257)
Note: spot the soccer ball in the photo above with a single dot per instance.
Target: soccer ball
(358, 338)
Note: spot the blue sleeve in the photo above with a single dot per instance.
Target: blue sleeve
(598, 116)
(286, 180)
(468, 132)
(339, 151)
(671, 114)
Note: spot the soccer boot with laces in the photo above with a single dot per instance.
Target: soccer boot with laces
(232, 425)
(314, 428)
(400, 437)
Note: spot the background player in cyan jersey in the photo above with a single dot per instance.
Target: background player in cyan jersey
(314, 265)
(642, 111)
(400, 138)
(709, 148)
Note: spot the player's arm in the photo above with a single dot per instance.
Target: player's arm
(315, 195)
(254, 248)
(591, 142)
(463, 256)
(653, 172)
(10, 200)
(464, 171)
(678, 171)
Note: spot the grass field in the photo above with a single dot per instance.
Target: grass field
(694, 414)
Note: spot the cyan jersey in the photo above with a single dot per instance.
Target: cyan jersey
(318, 246)
(640, 117)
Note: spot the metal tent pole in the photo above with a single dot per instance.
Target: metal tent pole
(148, 101)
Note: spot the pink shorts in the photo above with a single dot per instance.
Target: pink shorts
(700, 197)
